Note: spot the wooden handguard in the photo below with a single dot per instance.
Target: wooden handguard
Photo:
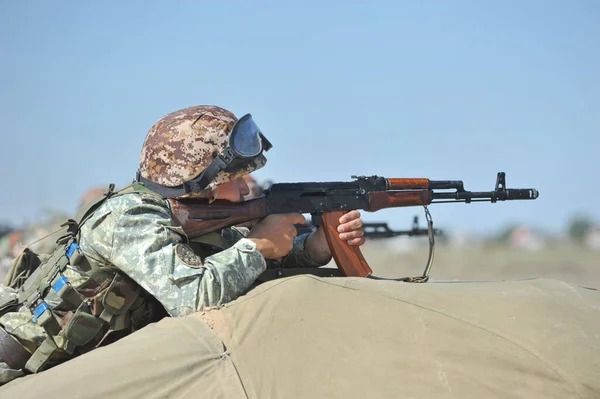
(382, 199)
(407, 184)
(349, 259)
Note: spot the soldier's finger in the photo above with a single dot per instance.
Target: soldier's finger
(352, 234)
(354, 224)
(356, 241)
(347, 217)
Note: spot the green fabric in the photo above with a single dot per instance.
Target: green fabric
(40, 357)
(309, 337)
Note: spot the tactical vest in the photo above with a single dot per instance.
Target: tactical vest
(102, 307)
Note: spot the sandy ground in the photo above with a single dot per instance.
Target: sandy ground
(569, 263)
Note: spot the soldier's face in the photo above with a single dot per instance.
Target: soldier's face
(233, 190)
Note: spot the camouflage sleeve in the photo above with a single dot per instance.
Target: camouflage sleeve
(299, 256)
(136, 233)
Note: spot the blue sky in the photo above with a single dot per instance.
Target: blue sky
(439, 89)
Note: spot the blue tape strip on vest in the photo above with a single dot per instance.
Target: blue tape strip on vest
(72, 248)
(60, 283)
(39, 309)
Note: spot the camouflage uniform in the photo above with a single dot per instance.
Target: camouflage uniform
(136, 234)
(132, 237)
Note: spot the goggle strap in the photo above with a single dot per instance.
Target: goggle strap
(218, 164)
(225, 157)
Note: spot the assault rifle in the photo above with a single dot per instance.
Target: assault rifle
(376, 230)
(328, 201)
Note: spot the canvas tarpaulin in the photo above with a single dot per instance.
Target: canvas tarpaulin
(309, 337)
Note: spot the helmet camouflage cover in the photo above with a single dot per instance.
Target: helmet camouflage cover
(180, 145)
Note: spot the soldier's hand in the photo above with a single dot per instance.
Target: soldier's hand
(350, 230)
(274, 235)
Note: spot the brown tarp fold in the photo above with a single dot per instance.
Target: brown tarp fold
(309, 337)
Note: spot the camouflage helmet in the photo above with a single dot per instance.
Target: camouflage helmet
(182, 144)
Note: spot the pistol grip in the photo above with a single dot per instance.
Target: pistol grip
(349, 259)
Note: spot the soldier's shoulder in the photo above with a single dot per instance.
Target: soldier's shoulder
(133, 199)
(130, 203)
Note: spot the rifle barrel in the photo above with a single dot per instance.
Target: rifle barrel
(496, 195)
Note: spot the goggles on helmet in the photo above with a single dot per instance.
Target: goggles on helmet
(246, 143)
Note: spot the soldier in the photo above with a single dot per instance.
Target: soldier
(126, 262)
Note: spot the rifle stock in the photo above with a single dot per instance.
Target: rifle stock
(199, 217)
